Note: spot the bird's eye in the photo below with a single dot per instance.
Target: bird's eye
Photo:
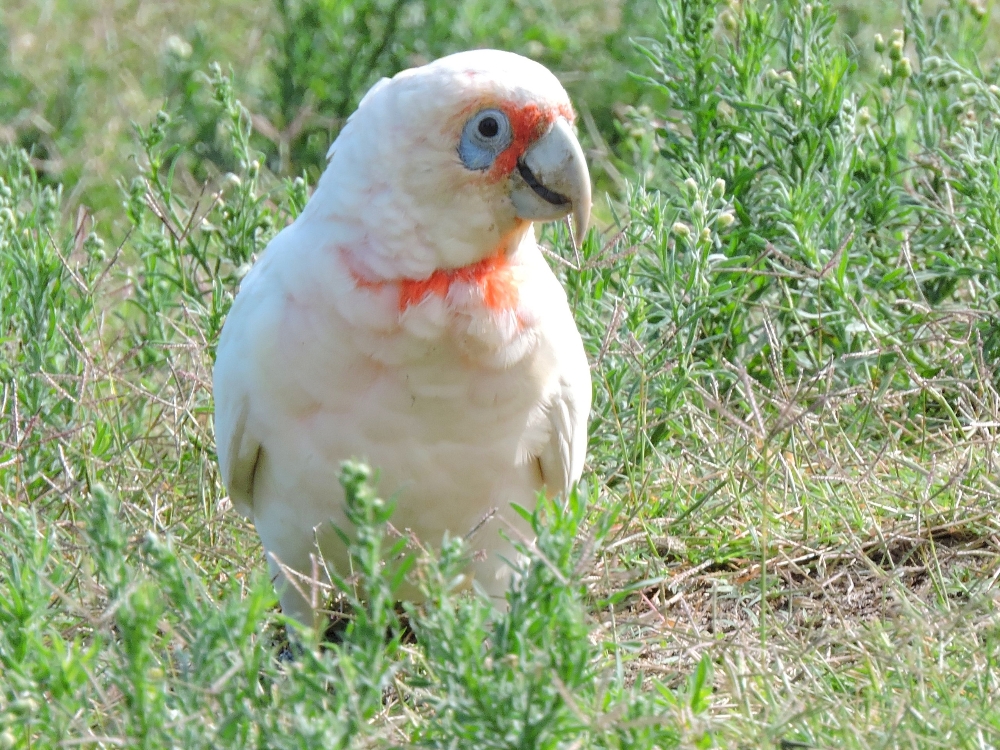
(486, 134)
(488, 127)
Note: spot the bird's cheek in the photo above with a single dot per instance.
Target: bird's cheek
(506, 214)
(496, 213)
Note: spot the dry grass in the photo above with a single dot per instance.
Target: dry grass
(846, 593)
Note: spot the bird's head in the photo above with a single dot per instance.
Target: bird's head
(447, 164)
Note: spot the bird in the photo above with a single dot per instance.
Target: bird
(408, 318)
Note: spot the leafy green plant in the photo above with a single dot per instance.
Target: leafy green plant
(198, 668)
(799, 228)
(531, 677)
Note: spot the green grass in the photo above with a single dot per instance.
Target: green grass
(77, 73)
(788, 534)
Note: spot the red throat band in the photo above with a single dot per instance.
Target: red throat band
(491, 275)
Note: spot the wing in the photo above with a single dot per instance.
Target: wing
(239, 453)
(561, 459)
(562, 456)
(235, 381)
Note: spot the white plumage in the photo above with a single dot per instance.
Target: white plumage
(407, 318)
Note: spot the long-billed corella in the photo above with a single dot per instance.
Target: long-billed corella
(408, 318)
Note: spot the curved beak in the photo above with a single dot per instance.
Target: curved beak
(552, 180)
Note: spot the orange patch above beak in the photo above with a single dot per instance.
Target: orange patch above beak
(529, 123)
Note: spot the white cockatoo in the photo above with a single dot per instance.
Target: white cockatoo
(407, 318)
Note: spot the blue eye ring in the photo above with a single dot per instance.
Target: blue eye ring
(486, 135)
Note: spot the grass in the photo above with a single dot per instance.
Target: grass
(79, 73)
(788, 532)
